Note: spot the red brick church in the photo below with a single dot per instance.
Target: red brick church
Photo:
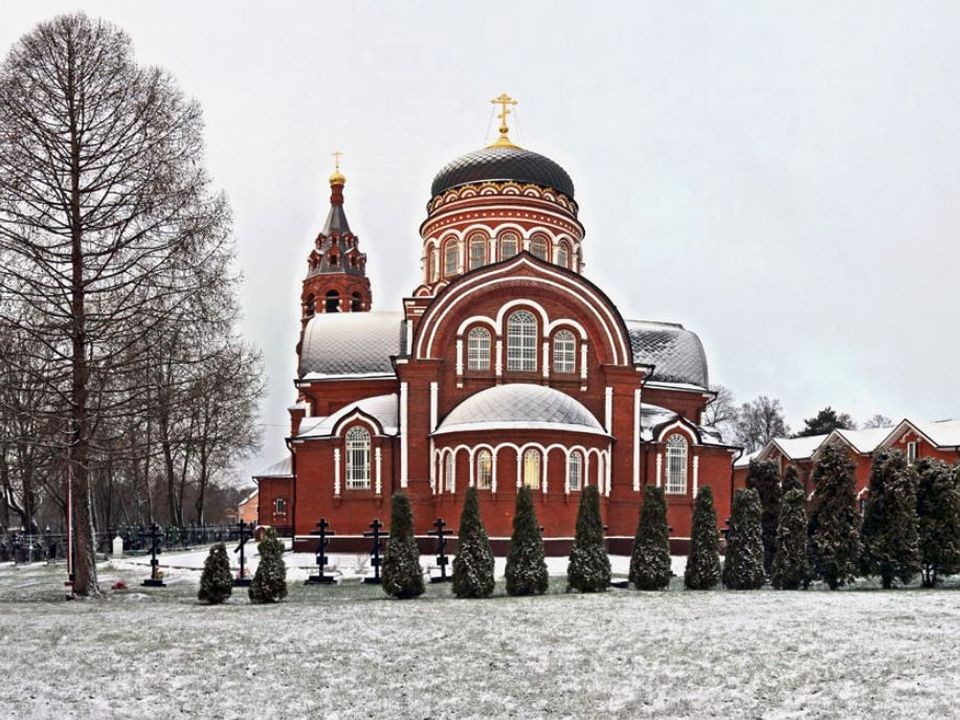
(505, 367)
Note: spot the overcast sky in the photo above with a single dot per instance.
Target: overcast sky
(783, 179)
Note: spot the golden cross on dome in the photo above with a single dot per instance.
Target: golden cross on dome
(337, 176)
(503, 100)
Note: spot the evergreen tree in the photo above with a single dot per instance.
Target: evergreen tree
(589, 566)
(791, 563)
(473, 565)
(650, 563)
(764, 477)
(938, 513)
(401, 571)
(703, 563)
(825, 422)
(743, 565)
(526, 567)
(216, 582)
(270, 581)
(834, 521)
(891, 545)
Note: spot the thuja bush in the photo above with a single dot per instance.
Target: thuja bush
(938, 515)
(473, 565)
(703, 562)
(270, 581)
(743, 565)
(791, 564)
(526, 572)
(401, 572)
(650, 562)
(834, 527)
(216, 582)
(891, 546)
(764, 477)
(589, 567)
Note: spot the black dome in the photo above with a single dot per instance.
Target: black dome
(502, 162)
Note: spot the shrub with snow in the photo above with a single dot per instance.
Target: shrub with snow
(743, 565)
(834, 529)
(216, 583)
(650, 562)
(791, 564)
(270, 581)
(401, 571)
(703, 562)
(938, 514)
(891, 546)
(526, 566)
(589, 566)
(473, 565)
(764, 477)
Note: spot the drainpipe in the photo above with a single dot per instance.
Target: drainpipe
(732, 474)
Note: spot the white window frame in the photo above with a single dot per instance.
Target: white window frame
(564, 352)
(912, 448)
(546, 247)
(575, 471)
(484, 469)
(451, 258)
(677, 451)
(531, 469)
(477, 240)
(357, 446)
(449, 472)
(280, 506)
(512, 238)
(478, 349)
(522, 342)
(563, 255)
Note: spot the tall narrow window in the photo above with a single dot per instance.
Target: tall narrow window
(531, 468)
(575, 471)
(539, 247)
(358, 458)
(478, 250)
(563, 255)
(509, 242)
(676, 465)
(478, 349)
(433, 268)
(564, 352)
(311, 305)
(522, 342)
(451, 257)
(911, 452)
(484, 470)
(333, 302)
(449, 471)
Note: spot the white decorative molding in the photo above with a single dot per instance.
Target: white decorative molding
(659, 469)
(434, 459)
(545, 363)
(543, 471)
(636, 440)
(379, 457)
(608, 410)
(459, 357)
(608, 467)
(696, 474)
(433, 406)
(404, 459)
(336, 472)
(499, 359)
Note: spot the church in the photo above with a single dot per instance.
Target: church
(505, 367)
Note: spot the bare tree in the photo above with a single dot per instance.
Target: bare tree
(877, 421)
(760, 421)
(721, 412)
(107, 224)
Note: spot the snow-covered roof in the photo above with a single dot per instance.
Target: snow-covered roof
(654, 417)
(676, 353)
(800, 448)
(520, 406)
(383, 408)
(350, 345)
(744, 460)
(280, 469)
(942, 433)
(863, 441)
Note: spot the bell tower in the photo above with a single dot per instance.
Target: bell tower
(336, 278)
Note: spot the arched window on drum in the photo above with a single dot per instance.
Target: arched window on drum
(478, 349)
(358, 458)
(677, 451)
(522, 342)
(563, 255)
(540, 247)
(451, 257)
(484, 470)
(564, 352)
(575, 471)
(509, 245)
(477, 250)
(531, 468)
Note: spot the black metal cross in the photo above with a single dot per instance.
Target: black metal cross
(376, 532)
(242, 580)
(322, 578)
(442, 559)
(154, 580)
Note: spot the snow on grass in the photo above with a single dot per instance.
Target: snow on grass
(347, 651)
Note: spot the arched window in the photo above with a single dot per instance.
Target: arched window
(522, 342)
(564, 352)
(478, 245)
(334, 259)
(531, 468)
(311, 305)
(356, 304)
(484, 470)
(358, 458)
(509, 242)
(333, 302)
(433, 265)
(449, 472)
(676, 465)
(563, 255)
(451, 258)
(575, 471)
(540, 247)
(478, 349)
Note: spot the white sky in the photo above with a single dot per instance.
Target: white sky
(781, 178)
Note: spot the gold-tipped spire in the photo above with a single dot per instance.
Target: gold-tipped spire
(337, 177)
(503, 100)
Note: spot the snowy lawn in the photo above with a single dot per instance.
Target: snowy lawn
(347, 651)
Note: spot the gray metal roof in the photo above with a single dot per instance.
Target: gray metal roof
(345, 344)
(280, 469)
(677, 353)
(499, 162)
(520, 406)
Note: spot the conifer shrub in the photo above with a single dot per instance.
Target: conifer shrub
(650, 562)
(703, 562)
(526, 572)
(791, 563)
(833, 530)
(589, 567)
(216, 582)
(473, 565)
(764, 477)
(401, 572)
(270, 581)
(938, 515)
(889, 537)
(743, 565)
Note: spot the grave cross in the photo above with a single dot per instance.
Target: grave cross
(242, 580)
(321, 578)
(376, 532)
(155, 579)
(442, 559)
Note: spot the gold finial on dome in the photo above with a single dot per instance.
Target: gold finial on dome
(503, 100)
(337, 177)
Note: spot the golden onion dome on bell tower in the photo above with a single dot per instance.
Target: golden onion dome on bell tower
(337, 177)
